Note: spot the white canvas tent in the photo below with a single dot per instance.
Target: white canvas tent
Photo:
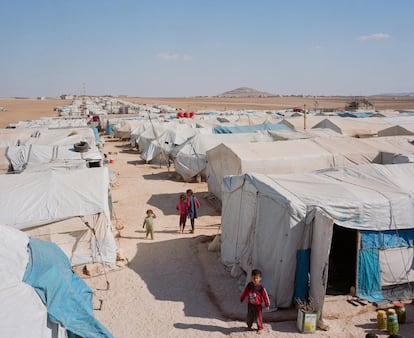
(354, 127)
(190, 157)
(308, 133)
(294, 156)
(399, 125)
(268, 219)
(13, 137)
(59, 206)
(39, 157)
(162, 146)
(24, 314)
(298, 123)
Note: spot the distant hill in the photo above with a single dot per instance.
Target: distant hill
(245, 92)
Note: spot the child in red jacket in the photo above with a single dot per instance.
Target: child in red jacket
(256, 295)
(182, 207)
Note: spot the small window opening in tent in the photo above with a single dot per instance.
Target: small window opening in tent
(342, 261)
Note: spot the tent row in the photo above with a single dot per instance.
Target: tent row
(329, 230)
(54, 192)
(302, 155)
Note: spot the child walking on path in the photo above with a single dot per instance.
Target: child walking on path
(256, 294)
(182, 207)
(149, 224)
(193, 204)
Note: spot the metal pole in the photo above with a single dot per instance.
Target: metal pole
(304, 116)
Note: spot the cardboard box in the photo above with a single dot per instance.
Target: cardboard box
(306, 321)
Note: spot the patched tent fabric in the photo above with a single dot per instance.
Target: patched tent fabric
(295, 156)
(190, 157)
(50, 199)
(266, 219)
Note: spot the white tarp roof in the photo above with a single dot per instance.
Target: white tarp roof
(163, 145)
(13, 137)
(45, 197)
(27, 156)
(53, 122)
(400, 125)
(295, 156)
(190, 157)
(308, 133)
(266, 218)
(353, 126)
(57, 205)
(297, 123)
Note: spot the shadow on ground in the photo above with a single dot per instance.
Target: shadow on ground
(163, 202)
(209, 328)
(165, 175)
(187, 272)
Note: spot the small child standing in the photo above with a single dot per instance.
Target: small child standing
(182, 207)
(256, 295)
(149, 224)
(193, 204)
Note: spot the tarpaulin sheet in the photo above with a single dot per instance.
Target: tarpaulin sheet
(369, 277)
(67, 298)
(387, 239)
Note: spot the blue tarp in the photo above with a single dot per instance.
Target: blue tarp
(369, 278)
(302, 275)
(354, 115)
(387, 239)
(96, 134)
(67, 297)
(249, 129)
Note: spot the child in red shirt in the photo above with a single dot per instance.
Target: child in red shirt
(182, 207)
(256, 295)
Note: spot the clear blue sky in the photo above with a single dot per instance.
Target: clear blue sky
(205, 47)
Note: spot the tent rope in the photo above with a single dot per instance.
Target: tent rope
(99, 251)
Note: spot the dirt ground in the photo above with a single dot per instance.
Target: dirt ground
(173, 286)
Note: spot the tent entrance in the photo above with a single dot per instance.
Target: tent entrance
(342, 261)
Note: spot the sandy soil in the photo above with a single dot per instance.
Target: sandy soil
(28, 109)
(173, 286)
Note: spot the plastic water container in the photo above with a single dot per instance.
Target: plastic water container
(400, 311)
(392, 322)
(381, 320)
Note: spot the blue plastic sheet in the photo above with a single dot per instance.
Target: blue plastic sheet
(387, 239)
(96, 134)
(302, 275)
(369, 278)
(67, 297)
